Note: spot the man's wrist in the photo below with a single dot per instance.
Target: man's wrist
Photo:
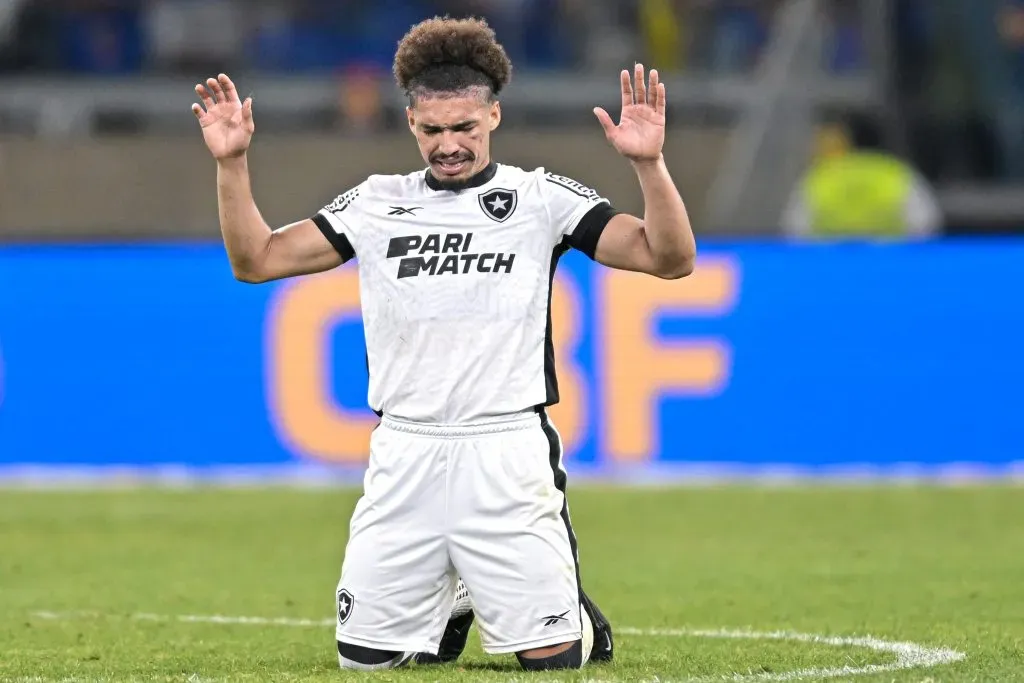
(648, 163)
(234, 163)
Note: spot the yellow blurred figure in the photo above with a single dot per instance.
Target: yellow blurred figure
(663, 35)
(856, 192)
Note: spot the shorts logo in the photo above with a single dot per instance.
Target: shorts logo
(345, 605)
(552, 619)
(498, 203)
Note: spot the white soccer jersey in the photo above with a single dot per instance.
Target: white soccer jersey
(455, 286)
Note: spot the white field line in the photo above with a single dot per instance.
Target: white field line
(194, 619)
(183, 678)
(907, 655)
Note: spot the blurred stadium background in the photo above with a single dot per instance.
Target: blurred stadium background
(890, 348)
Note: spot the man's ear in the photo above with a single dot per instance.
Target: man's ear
(494, 120)
(410, 115)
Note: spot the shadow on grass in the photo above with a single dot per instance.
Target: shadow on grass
(496, 666)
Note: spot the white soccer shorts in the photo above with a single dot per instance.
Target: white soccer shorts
(483, 502)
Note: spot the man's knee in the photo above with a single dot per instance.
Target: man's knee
(570, 657)
(367, 659)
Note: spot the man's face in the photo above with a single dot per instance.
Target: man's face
(454, 134)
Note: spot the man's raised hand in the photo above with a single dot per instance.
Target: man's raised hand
(226, 121)
(640, 133)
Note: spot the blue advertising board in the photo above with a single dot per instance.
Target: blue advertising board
(771, 358)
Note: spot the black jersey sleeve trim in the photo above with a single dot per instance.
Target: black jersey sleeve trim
(339, 241)
(587, 233)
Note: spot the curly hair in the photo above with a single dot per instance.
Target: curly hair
(445, 56)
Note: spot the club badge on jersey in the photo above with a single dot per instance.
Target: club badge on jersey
(498, 204)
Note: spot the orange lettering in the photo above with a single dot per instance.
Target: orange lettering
(302, 409)
(641, 368)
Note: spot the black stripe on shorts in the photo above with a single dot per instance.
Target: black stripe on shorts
(555, 458)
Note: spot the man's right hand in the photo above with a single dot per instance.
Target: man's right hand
(226, 121)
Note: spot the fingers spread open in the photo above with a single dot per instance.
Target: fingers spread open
(215, 88)
(652, 93)
(605, 120)
(627, 89)
(641, 86)
(230, 92)
(205, 96)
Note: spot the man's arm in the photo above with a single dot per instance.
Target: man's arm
(660, 244)
(258, 254)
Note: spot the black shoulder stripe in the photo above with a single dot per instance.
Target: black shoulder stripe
(337, 240)
(587, 233)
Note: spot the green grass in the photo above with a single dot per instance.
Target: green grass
(940, 567)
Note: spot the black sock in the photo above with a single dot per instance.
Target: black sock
(569, 659)
(365, 658)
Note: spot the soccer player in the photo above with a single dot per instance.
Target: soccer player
(455, 261)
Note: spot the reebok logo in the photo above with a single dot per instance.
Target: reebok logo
(552, 619)
(402, 211)
(436, 254)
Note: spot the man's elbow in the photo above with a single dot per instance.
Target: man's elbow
(249, 278)
(677, 267)
(248, 273)
(251, 266)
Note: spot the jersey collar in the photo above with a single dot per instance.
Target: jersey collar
(484, 176)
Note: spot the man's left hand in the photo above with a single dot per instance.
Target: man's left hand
(640, 133)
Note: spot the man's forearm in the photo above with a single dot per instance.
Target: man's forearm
(246, 234)
(666, 223)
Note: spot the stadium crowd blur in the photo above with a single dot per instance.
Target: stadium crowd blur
(956, 68)
(135, 36)
(357, 37)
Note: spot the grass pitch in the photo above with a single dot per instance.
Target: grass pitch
(124, 585)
